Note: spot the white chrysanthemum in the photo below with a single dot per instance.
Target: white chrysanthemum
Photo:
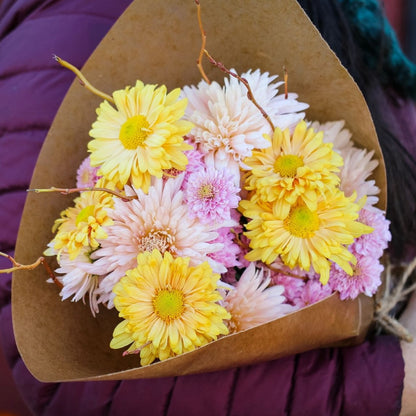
(285, 112)
(358, 166)
(334, 132)
(252, 302)
(157, 220)
(228, 126)
(77, 277)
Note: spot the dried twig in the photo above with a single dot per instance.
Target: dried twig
(203, 43)
(84, 82)
(18, 266)
(393, 296)
(286, 77)
(67, 191)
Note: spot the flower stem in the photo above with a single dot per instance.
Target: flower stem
(83, 80)
(203, 43)
(286, 77)
(67, 191)
(18, 266)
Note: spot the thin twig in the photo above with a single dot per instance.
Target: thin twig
(83, 80)
(18, 266)
(67, 191)
(203, 43)
(137, 351)
(279, 270)
(286, 77)
(396, 327)
(250, 95)
(391, 298)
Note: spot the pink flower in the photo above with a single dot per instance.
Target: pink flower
(87, 175)
(228, 255)
(375, 243)
(365, 279)
(293, 286)
(313, 291)
(210, 194)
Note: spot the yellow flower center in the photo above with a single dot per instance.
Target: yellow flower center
(84, 214)
(301, 222)
(287, 165)
(168, 304)
(160, 240)
(134, 132)
(206, 191)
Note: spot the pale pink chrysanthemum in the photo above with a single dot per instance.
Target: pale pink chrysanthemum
(284, 111)
(365, 279)
(228, 255)
(334, 132)
(157, 220)
(210, 195)
(252, 302)
(358, 167)
(77, 278)
(313, 291)
(375, 243)
(228, 126)
(86, 174)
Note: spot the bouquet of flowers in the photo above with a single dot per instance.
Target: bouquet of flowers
(215, 208)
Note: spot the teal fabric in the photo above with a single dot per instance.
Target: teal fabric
(383, 53)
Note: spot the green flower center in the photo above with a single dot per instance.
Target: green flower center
(84, 214)
(287, 165)
(134, 132)
(206, 191)
(301, 222)
(168, 304)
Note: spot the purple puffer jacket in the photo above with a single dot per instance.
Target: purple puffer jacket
(364, 380)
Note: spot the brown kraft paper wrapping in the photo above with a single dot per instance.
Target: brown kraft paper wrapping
(158, 41)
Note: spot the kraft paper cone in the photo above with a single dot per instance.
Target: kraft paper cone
(158, 42)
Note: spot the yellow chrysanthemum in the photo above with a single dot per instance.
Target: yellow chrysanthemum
(168, 307)
(81, 225)
(297, 166)
(141, 137)
(305, 237)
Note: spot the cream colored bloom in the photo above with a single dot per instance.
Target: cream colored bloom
(335, 133)
(358, 167)
(141, 137)
(78, 279)
(252, 302)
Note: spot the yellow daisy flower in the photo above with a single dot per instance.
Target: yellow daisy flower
(305, 238)
(168, 307)
(141, 137)
(297, 166)
(82, 225)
